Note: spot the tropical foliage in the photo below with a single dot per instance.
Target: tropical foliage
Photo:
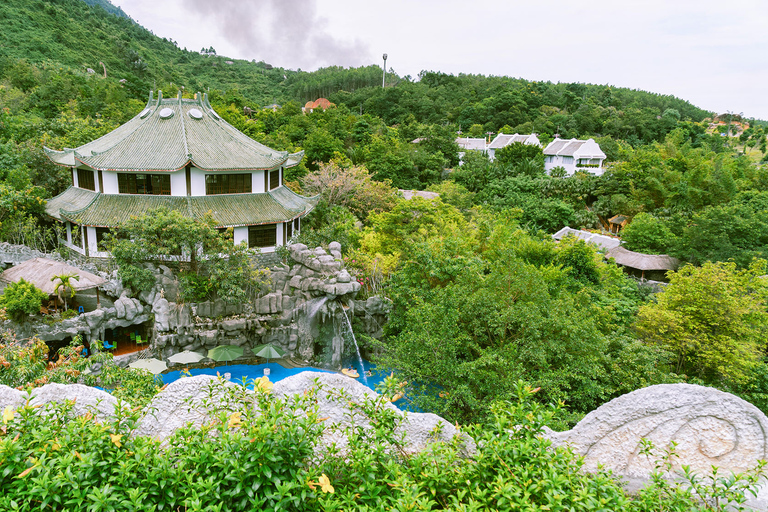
(210, 263)
(22, 299)
(49, 461)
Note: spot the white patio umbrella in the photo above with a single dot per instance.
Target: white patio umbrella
(152, 364)
(186, 357)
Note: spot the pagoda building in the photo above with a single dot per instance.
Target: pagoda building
(179, 154)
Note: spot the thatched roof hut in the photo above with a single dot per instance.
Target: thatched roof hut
(40, 271)
(642, 261)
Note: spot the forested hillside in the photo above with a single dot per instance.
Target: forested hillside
(76, 36)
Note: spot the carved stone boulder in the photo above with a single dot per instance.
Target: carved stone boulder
(710, 427)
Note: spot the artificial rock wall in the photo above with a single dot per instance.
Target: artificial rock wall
(289, 312)
(300, 307)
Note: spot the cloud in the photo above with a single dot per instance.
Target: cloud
(287, 33)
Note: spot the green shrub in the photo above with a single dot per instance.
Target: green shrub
(22, 299)
(258, 452)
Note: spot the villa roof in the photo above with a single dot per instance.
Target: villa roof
(571, 148)
(584, 148)
(171, 133)
(503, 140)
(466, 143)
(642, 261)
(40, 271)
(88, 208)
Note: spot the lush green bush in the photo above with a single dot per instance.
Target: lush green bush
(475, 311)
(648, 234)
(713, 320)
(242, 460)
(328, 224)
(22, 299)
(210, 263)
(259, 452)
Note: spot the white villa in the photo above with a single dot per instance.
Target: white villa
(180, 154)
(470, 144)
(574, 155)
(503, 140)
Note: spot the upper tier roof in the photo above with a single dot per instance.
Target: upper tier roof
(171, 133)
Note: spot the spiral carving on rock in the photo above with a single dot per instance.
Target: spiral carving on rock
(709, 426)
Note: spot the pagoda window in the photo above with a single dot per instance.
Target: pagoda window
(227, 184)
(85, 179)
(274, 179)
(100, 232)
(262, 236)
(146, 184)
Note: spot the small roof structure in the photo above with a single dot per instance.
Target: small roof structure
(602, 241)
(40, 271)
(410, 194)
(642, 261)
(618, 219)
(318, 103)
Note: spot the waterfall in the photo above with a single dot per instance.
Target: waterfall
(314, 308)
(357, 349)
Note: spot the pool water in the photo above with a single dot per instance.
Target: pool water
(247, 373)
(243, 373)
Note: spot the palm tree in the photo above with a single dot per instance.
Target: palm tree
(64, 285)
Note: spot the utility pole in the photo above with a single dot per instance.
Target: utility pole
(384, 76)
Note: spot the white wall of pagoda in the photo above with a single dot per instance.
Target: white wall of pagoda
(179, 183)
(257, 182)
(240, 235)
(110, 182)
(93, 248)
(198, 181)
(280, 230)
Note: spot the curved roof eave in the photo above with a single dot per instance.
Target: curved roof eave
(294, 159)
(57, 157)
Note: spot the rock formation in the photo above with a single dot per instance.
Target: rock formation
(709, 426)
(197, 400)
(85, 399)
(298, 308)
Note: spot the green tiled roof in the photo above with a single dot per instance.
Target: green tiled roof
(89, 208)
(192, 133)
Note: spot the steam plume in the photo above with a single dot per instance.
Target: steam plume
(287, 33)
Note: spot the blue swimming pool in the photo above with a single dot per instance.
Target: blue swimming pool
(246, 373)
(243, 373)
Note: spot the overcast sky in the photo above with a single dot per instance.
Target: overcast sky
(711, 53)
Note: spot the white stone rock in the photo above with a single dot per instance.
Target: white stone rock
(10, 397)
(161, 309)
(187, 400)
(86, 399)
(709, 426)
(335, 399)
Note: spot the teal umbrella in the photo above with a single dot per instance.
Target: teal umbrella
(268, 351)
(225, 353)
